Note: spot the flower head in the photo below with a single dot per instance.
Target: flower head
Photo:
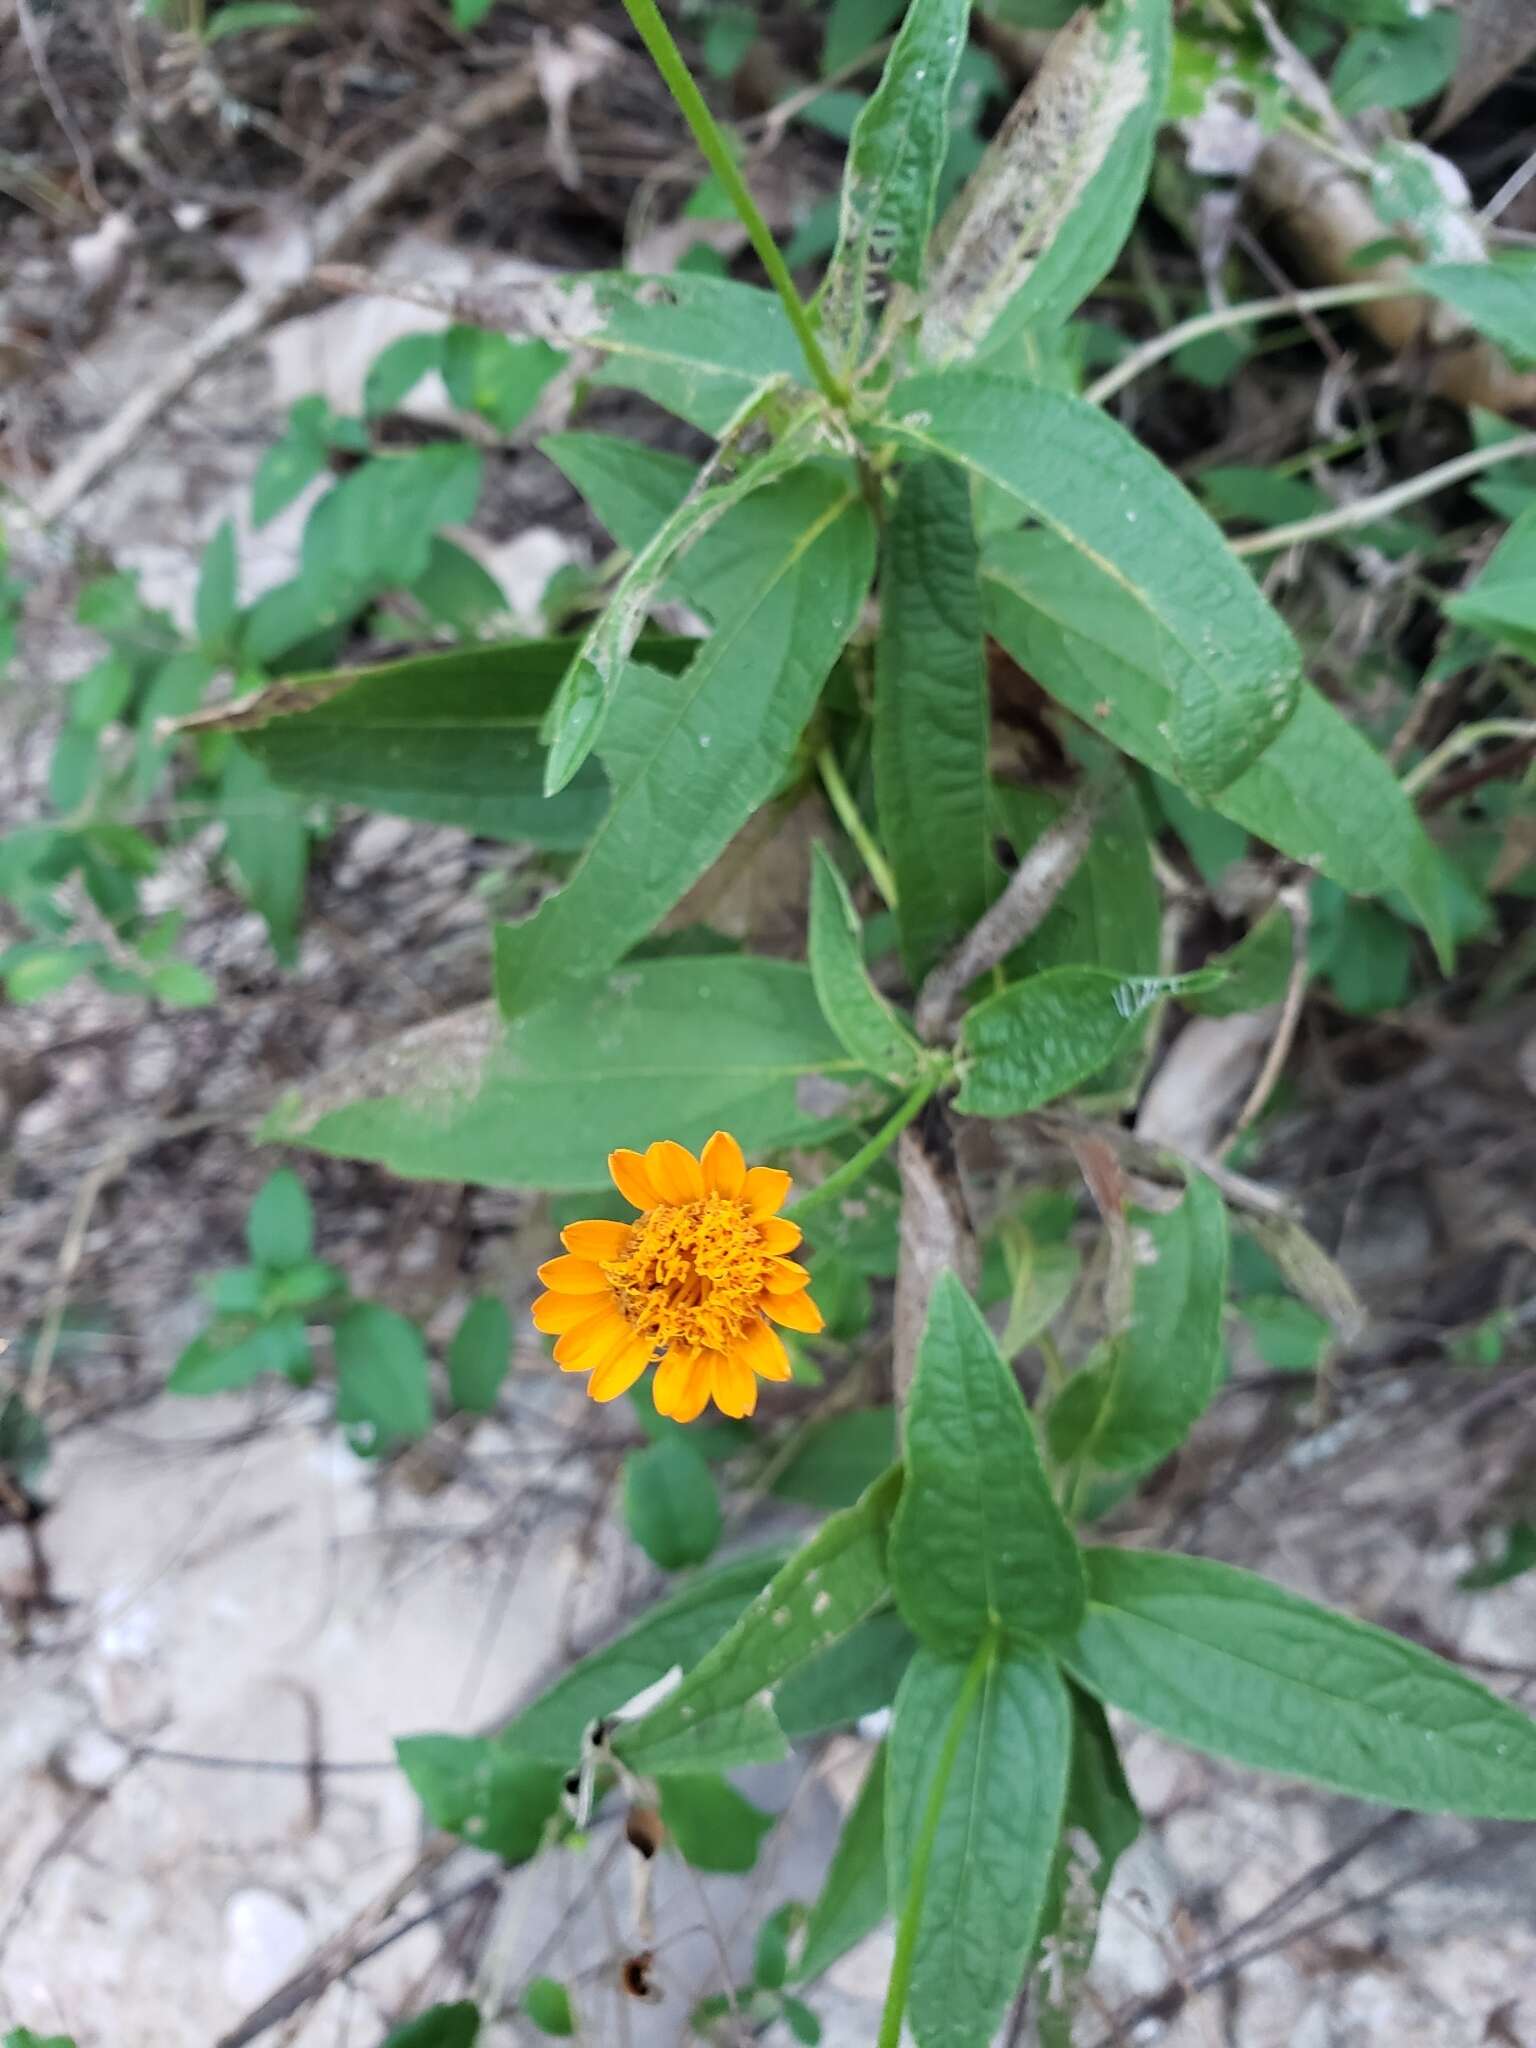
(699, 1277)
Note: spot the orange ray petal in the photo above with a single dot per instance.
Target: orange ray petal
(556, 1313)
(597, 1239)
(764, 1189)
(735, 1387)
(618, 1373)
(763, 1350)
(779, 1234)
(725, 1169)
(573, 1276)
(631, 1179)
(674, 1172)
(701, 1377)
(584, 1346)
(671, 1381)
(785, 1277)
(794, 1311)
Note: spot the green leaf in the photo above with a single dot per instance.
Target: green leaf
(685, 1046)
(254, 14)
(1231, 670)
(975, 1791)
(493, 1796)
(1501, 601)
(1161, 1372)
(671, 1504)
(978, 1545)
(1222, 1660)
(449, 738)
(469, 14)
(548, 2006)
(1287, 1334)
(218, 604)
(23, 2037)
(286, 469)
(397, 369)
(1396, 67)
(267, 841)
(73, 770)
(710, 1823)
(1059, 187)
(632, 489)
(858, 1675)
(691, 758)
(176, 689)
(479, 1355)
(932, 716)
(1320, 792)
(441, 2026)
(103, 693)
(1257, 969)
(37, 972)
(701, 346)
(1498, 297)
(679, 1631)
(496, 377)
(838, 1458)
(182, 986)
(719, 1716)
(1045, 1036)
(381, 1375)
(221, 1360)
(456, 591)
(1100, 1824)
(853, 1900)
(280, 1229)
(891, 180)
(868, 1029)
(1517, 1558)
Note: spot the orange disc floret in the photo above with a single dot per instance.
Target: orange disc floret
(696, 1281)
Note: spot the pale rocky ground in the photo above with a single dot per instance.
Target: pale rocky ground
(236, 1585)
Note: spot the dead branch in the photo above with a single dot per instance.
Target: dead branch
(258, 306)
(935, 1237)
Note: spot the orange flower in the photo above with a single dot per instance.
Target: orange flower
(700, 1276)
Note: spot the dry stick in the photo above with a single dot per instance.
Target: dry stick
(1032, 889)
(1297, 904)
(337, 222)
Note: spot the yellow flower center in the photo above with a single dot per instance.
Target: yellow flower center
(693, 1274)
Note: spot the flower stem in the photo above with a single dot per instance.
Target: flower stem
(840, 797)
(854, 1169)
(922, 1850)
(678, 79)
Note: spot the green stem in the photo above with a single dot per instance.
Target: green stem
(668, 60)
(1462, 742)
(922, 1854)
(840, 797)
(855, 1168)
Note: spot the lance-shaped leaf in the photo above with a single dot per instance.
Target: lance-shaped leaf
(1227, 1662)
(979, 1547)
(1160, 1373)
(853, 1900)
(1232, 671)
(931, 716)
(1043, 1037)
(721, 1715)
(1497, 298)
(1059, 187)
(895, 155)
(690, 758)
(867, 1026)
(976, 1784)
(687, 1046)
(1257, 969)
(1320, 792)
